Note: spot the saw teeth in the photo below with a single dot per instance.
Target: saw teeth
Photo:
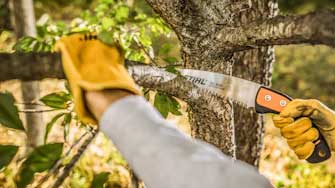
(214, 94)
(164, 76)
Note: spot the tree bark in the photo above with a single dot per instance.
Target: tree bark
(23, 20)
(19, 66)
(254, 65)
(201, 19)
(312, 28)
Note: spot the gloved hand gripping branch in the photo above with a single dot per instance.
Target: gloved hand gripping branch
(295, 123)
(91, 65)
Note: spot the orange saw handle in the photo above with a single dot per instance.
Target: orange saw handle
(271, 101)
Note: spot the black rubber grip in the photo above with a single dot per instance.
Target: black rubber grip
(321, 151)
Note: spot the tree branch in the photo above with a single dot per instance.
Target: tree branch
(30, 66)
(172, 11)
(48, 65)
(313, 28)
(38, 66)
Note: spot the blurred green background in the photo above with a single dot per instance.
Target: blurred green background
(301, 71)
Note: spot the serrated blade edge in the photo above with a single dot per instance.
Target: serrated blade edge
(236, 89)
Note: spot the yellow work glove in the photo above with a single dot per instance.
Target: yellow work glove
(295, 123)
(91, 65)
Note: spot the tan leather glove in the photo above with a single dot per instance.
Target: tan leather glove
(295, 122)
(91, 65)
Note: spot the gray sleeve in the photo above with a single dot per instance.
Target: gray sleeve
(163, 157)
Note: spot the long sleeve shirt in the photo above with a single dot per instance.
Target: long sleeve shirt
(163, 157)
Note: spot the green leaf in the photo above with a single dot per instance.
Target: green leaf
(7, 153)
(166, 104)
(66, 124)
(41, 159)
(174, 106)
(107, 23)
(106, 37)
(161, 104)
(9, 116)
(51, 124)
(170, 59)
(100, 179)
(57, 100)
(122, 13)
(165, 49)
(67, 119)
(24, 44)
(172, 69)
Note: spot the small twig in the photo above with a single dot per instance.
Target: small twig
(67, 169)
(30, 103)
(37, 111)
(139, 44)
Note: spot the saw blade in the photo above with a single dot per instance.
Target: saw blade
(237, 89)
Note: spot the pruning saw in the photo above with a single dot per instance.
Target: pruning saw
(250, 94)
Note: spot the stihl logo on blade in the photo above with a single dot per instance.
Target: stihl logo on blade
(196, 80)
(203, 82)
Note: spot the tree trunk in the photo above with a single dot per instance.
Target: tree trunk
(4, 15)
(212, 117)
(254, 65)
(23, 20)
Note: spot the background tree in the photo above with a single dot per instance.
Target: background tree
(23, 22)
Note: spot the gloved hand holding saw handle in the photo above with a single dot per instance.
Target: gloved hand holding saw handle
(295, 121)
(300, 122)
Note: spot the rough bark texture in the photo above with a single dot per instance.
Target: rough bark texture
(312, 28)
(201, 19)
(39, 66)
(255, 65)
(208, 34)
(23, 21)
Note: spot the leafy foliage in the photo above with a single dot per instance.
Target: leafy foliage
(129, 26)
(9, 115)
(31, 44)
(58, 100)
(7, 153)
(112, 20)
(100, 179)
(166, 104)
(41, 159)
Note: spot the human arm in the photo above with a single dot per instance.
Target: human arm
(161, 155)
